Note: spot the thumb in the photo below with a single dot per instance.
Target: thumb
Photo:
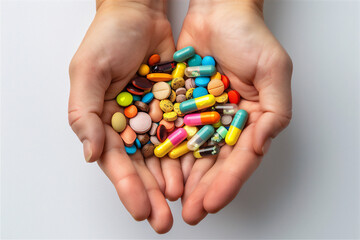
(87, 89)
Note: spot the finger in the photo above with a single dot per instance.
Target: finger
(160, 217)
(87, 87)
(173, 178)
(118, 167)
(187, 162)
(236, 169)
(153, 164)
(274, 86)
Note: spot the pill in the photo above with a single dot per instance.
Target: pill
(181, 91)
(197, 103)
(118, 122)
(153, 129)
(170, 126)
(166, 105)
(172, 141)
(201, 137)
(178, 82)
(144, 69)
(216, 76)
(159, 77)
(189, 93)
(216, 87)
(130, 150)
(183, 54)
(143, 138)
(166, 67)
(219, 135)
(154, 140)
(142, 106)
(124, 99)
(225, 81)
(207, 151)
(130, 111)
(226, 109)
(226, 120)
(217, 124)
(155, 111)
(136, 98)
(141, 123)
(141, 83)
(199, 92)
(204, 118)
(223, 98)
(154, 59)
(202, 81)
(128, 136)
(208, 60)
(179, 71)
(170, 116)
(236, 127)
(161, 133)
(137, 143)
(134, 91)
(194, 61)
(179, 122)
(148, 150)
(191, 131)
(177, 109)
(147, 98)
(161, 90)
(200, 71)
(234, 96)
(190, 83)
(178, 151)
(180, 98)
(172, 96)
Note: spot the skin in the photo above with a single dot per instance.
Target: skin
(234, 33)
(123, 35)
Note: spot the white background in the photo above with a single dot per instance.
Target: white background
(306, 187)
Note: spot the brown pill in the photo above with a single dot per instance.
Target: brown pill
(148, 150)
(142, 106)
(180, 98)
(128, 136)
(143, 138)
(155, 111)
(161, 133)
(135, 91)
(153, 129)
(141, 83)
(180, 91)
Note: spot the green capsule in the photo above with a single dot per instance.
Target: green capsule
(200, 71)
(183, 54)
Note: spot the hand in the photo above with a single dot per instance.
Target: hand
(234, 33)
(122, 36)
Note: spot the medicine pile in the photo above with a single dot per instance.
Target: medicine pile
(177, 107)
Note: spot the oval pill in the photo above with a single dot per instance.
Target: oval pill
(130, 150)
(184, 53)
(161, 90)
(147, 98)
(159, 77)
(128, 136)
(124, 99)
(144, 69)
(234, 96)
(130, 111)
(199, 92)
(118, 122)
(154, 59)
(170, 116)
(141, 123)
(194, 61)
(208, 60)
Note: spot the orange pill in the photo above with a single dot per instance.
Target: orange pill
(170, 126)
(130, 111)
(216, 87)
(154, 59)
(159, 77)
(128, 136)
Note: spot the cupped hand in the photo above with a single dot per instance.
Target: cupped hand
(234, 33)
(122, 35)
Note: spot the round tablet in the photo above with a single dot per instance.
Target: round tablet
(130, 150)
(189, 93)
(202, 81)
(194, 61)
(225, 81)
(154, 140)
(147, 98)
(166, 105)
(143, 70)
(142, 106)
(155, 111)
(143, 138)
(190, 83)
(199, 92)
(141, 123)
(180, 91)
(180, 98)
(148, 150)
(177, 83)
(154, 59)
(226, 120)
(216, 87)
(179, 122)
(141, 83)
(135, 91)
(161, 90)
(208, 60)
(118, 121)
(223, 98)
(234, 96)
(130, 111)
(124, 99)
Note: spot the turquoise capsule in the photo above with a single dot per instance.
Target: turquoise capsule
(200, 137)
(183, 54)
(194, 61)
(200, 71)
(236, 127)
(199, 103)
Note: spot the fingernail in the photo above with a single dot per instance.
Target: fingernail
(87, 150)
(266, 146)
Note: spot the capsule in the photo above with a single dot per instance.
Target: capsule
(219, 135)
(179, 71)
(191, 131)
(226, 109)
(236, 127)
(200, 137)
(204, 118)
(166, 67)
(195, 104)
(207, 151)
(200, 71)
(172, 141)
(179, 150)
(184, 53)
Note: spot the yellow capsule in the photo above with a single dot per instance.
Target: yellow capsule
(217, 75)
(179, 150)
(191, 131)
(179, 71)
(144, 70)
(170, 116)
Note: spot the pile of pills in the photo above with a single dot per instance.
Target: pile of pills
(177, 107)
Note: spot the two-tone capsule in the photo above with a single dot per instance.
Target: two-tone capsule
(219, 135)
(204, 118)
(236, 127)
(207, 151)
(196, 104)
(200, 71)
(200, 137)
(179, 150)
(172, 141)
